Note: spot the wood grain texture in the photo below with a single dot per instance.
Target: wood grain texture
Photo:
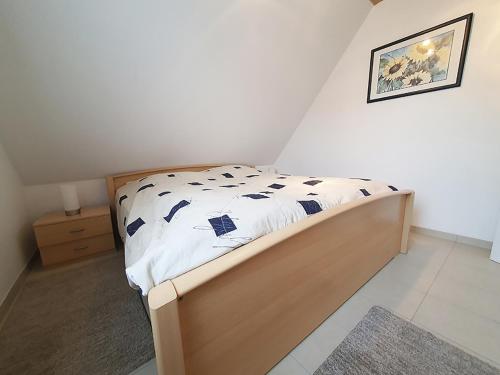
(76, 249)
(166, 329)
(200, 275)
(244, 311)
(60, 216)
(72, 230)
(62, 238)
(408, 218)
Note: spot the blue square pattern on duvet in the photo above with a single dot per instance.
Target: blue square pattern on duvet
(134, 226)
(145, 187)
(228, 175)
(222, 225)
(255, 196)
(311, 207)
(365, 192)
(312, 182)
(122, 198)
(276, 186)
(174, 209)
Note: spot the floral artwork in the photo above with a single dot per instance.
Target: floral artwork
(417, 64)
(427, 61)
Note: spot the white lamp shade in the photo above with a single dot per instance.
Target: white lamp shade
(70, 198)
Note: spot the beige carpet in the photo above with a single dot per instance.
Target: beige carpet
(78, 320)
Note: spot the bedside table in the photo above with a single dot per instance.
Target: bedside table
(62, 238)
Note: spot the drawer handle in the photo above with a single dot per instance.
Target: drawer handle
(77, 230)
(81, 248)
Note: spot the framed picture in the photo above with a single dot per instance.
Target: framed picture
(427, 61)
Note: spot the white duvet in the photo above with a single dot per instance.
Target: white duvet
(172, 223)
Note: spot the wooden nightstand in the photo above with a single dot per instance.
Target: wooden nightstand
(62, 238)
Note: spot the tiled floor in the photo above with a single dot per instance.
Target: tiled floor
(447, 288)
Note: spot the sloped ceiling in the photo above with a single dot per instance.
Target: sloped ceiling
(89, 88)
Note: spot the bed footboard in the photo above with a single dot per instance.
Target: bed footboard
(164, 310)
(243, 312)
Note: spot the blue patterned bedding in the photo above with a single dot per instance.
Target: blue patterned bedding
(174, 222)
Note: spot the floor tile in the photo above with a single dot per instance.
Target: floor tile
(420, 265)
(473, 256)
(402, 284)
(288, 366)
(149, 368)
(313, 351)
(424, 250)
(426, 256)
(462, 326)
(389, 292)
(428, 244)
(455, 290)
(350, 313)
(416, 273)
(482, 275)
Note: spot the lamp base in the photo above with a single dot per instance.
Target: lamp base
(72, 212)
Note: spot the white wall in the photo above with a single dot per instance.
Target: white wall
(445, 145)
(41, 199)
(97, 87)
(16, 245)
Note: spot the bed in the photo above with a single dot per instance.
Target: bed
(245, 309)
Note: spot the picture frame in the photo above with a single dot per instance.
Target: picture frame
(426, 61)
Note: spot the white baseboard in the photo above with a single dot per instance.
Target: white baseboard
(15, 290)
(453, 237)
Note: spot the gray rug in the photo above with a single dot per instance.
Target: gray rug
(83, 320)
(382, 343)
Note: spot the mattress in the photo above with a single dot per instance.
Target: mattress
(174, 222)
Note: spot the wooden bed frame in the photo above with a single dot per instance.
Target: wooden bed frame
(244, 311)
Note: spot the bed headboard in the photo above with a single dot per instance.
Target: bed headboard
(116, 181)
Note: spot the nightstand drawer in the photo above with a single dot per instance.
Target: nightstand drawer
(72, 230)
(76, 249)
